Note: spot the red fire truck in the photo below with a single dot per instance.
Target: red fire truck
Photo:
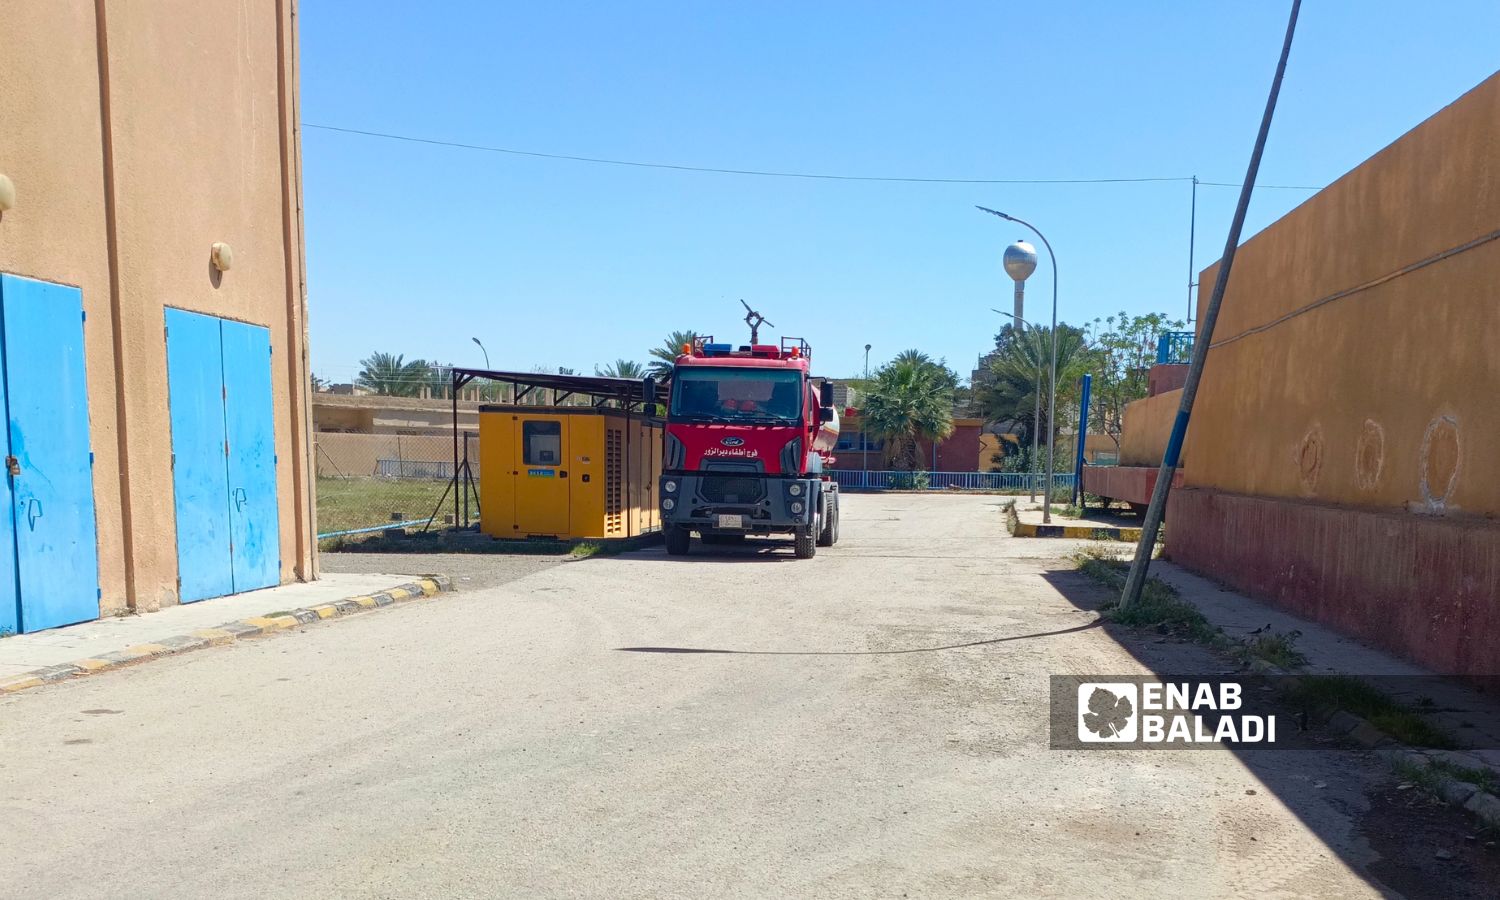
(749, 438)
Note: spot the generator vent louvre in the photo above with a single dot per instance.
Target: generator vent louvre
(613, 482)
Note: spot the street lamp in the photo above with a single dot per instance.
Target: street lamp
(1052, 382)
(864, 434)
(484, 351)
(1036, 428)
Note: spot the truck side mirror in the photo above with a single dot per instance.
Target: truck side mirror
(826, 414)
(648, 389)
(825, 395)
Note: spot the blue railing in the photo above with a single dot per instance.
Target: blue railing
(1018, 482)
(1174, 347)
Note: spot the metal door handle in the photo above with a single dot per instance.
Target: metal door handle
(33, 512)
(239, 499)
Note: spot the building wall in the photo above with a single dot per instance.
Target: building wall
(1146, 427)
(49, 89)
(1385, 398)
(959, 452)
(138, 133)
(1340, 447)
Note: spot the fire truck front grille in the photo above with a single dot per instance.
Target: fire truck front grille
(732, 489)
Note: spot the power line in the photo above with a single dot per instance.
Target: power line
(761, 173)
(1279, 187)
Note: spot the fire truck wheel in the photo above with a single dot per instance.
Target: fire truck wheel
(679, 539)
(829, 518)
(805, 543)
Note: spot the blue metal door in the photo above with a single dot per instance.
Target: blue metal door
(200, 477)
(56, 562)
(253, 525)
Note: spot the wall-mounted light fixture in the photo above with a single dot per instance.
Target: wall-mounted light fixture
(7, 193)
(223, 256)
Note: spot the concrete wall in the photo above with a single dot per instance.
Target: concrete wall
(1146, 426)
(138, 133)
(1384, 398)
(376, 414)
(1341, 448)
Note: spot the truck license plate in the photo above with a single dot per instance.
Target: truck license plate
(731, 521)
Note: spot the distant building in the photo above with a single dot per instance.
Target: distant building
(959, 452)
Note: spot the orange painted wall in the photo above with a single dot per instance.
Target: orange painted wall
(1385, 398)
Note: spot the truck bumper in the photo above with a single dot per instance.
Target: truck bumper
(764, 505)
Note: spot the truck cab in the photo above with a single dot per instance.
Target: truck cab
(747, 439)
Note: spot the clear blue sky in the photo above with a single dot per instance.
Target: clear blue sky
(415, 249)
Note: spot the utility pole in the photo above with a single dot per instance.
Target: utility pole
(1152, 524)
(1192, 235)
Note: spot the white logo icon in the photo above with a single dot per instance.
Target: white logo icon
(1107, 711)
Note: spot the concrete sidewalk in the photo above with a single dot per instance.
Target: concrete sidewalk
(105, 643)
(1470, 716)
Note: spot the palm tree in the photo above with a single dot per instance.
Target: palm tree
(663, 357)
(911, 400)
(391, 375)
(622, 368)
(1019, 369)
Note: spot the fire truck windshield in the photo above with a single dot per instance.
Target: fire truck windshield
(736, 395)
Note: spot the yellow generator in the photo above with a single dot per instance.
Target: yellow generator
(567, 472)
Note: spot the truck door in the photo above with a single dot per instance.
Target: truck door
(542, 481)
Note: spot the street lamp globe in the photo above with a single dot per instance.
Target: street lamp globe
(1020, 260)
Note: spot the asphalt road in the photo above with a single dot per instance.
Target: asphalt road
(502, 741)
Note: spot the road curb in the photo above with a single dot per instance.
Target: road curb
(254, 626)
(1454, 791)
(1020, 529)
(1086, 532)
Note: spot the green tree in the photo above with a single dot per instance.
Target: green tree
(663, 357)
(1124, 349)
(391, 375)
(622, 368)
(1021, 367)
(910, 400)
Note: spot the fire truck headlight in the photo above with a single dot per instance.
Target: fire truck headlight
(795, 490)
(668, 503)
(797, 507)
(669, 486)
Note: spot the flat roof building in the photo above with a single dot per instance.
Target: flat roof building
(152, 293)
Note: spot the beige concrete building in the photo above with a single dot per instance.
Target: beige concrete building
(152, 157)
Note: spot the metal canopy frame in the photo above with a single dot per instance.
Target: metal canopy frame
(630, 393)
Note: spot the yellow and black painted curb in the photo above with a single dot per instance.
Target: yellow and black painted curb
(1086, 532)
(230, 631)
(1017, 528)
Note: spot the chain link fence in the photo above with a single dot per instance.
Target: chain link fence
(372, 482)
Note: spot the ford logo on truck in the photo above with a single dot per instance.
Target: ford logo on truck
(732, 441)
